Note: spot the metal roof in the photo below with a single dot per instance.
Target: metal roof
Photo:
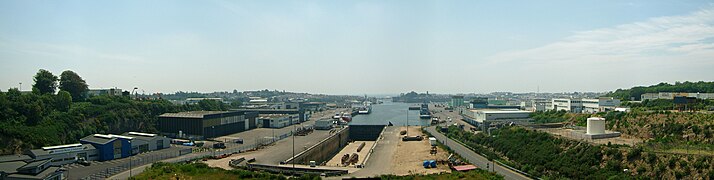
(15, 157)
(464, 167)
(192, 114)
(40, 175)
(11, 167)
(34, 164)
(42, 152)
(61, 146)
(103, 138)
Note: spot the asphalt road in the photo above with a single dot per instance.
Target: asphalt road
(474, 157)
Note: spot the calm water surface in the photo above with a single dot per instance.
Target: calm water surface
(394, 112)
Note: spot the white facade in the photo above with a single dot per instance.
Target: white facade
(541, 104)
(585, 105)
(596, 126)
(482, 115)
(671, 95)
(279, 121)
(324, 124)
(570, 105)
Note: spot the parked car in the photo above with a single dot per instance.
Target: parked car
(219, 145)
(84, 162)
(239, 141)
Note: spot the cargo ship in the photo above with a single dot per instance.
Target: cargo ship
(424, 113)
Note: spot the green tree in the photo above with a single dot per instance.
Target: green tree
(63, 100)
(74, 84)
(45, 82)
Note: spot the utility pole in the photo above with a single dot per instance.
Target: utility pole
(293, 159)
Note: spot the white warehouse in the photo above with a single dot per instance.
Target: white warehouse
(481, 115)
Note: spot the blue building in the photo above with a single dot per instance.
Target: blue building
(110, 146)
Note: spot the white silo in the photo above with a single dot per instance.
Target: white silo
(596, 125)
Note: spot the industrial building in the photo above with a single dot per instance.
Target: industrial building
(541, 104)
(277, 120)
(457, 101)
(99, 92)
(671, 95)
(579, 105)
(324, 124)
(145, 142)
(65, 154)
(206, 124)
(109, 146)
(492, 115)
(23, 167)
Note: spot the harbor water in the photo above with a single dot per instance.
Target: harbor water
(395, 112)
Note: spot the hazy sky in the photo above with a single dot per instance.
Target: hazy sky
(355, 47)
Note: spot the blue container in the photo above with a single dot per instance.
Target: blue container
(426, 164)
(432, 163)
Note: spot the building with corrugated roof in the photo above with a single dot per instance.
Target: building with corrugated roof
(205, 124)
(110, 146)
(16, 167)
(145, 142)
(65, 154)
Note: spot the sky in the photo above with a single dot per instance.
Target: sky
(359, 47)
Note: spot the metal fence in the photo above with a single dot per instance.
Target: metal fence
(179, 156)
(133, 161)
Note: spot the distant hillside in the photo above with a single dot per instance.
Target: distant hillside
(690, 87)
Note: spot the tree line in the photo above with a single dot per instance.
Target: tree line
(30, 120)
(688, 87)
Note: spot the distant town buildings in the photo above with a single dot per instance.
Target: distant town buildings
(196, 100)
(672, 95)
(110, 91)
(457, 101)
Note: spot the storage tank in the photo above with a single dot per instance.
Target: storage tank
(426, 164)
(432, 163)
(596, 125)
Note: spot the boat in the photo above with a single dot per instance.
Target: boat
(424, 113)
(365, 110)
(346, 117)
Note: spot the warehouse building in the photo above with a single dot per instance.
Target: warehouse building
(482, 115)
(65, 154)
(278, 120)
(23, 167)
(485, 117)
(581, 105)
(145, 142)
(206, 124)
(110, 146)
